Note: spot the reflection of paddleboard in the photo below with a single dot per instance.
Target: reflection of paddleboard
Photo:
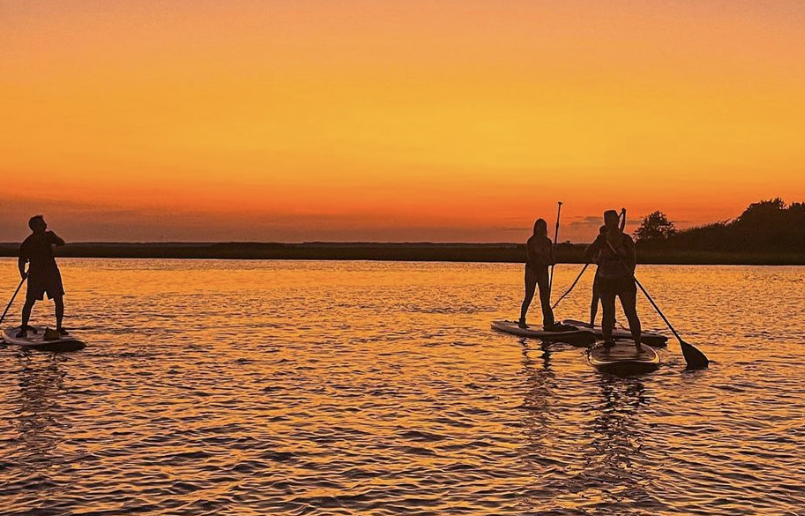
(575, 336)
(657, 340)
(35, 340)
(623, 358)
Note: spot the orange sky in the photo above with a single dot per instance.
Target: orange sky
(389, 120)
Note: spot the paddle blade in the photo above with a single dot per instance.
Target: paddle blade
(694, 358)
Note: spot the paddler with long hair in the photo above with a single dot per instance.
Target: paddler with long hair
(617, 259)
(539, 257)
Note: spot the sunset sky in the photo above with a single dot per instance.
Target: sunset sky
(453, 120)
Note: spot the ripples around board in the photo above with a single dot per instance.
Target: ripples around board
(214, 387)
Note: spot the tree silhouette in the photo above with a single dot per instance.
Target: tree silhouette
(768, 226)
(655, 226)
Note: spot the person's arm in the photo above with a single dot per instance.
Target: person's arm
(23, 260)
(593, 249)
(55, 239)
(551, 257)
(631, 254)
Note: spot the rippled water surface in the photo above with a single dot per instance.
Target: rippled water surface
(237, 387)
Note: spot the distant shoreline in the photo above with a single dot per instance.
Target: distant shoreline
(490, 253)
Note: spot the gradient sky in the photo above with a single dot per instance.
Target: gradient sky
(383, 120)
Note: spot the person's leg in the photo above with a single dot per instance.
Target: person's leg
(608, 308)
(628, 297)
(530, 287)
(59, 302)
(595, 300)
(545, 299)
(27, 308)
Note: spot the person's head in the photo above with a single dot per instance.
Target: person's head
(37, 224)
(602, 230)
(611, 219)
(541, 227)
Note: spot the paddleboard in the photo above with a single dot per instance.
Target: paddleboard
(654, 339)
(35, 340)
(623, 358)
(577, 336)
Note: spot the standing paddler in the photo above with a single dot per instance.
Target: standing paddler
(43, 273)
(539, 257)
(596, 283)
(616, 260)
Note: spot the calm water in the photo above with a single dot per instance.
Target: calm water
(215, 387)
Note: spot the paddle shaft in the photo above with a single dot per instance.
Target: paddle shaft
(572, 286)
(657, 308)
(555, 241)
(3, 317)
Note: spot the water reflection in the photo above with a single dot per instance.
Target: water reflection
(615, 457)
(539, 386)
(603, 468)
(307, 387)
(38, 410)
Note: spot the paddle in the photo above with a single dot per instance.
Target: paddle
(3, 317)
(572, 286)
(694, 358)
(555, 241)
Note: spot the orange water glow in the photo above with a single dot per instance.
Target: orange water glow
(378, 388)
(379, 120)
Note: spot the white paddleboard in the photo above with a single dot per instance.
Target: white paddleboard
(35, 340)
(576, 336)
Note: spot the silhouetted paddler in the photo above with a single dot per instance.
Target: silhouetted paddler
(616, 265)
(43, 273)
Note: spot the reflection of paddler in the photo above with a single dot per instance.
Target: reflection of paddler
(39, 414)
(616, 459)
(617, 260)
(539, 384)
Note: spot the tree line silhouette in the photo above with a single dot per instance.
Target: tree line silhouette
(766, 226)
(766, 233)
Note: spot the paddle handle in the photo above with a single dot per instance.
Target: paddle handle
(8, 306)
(555, 241)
